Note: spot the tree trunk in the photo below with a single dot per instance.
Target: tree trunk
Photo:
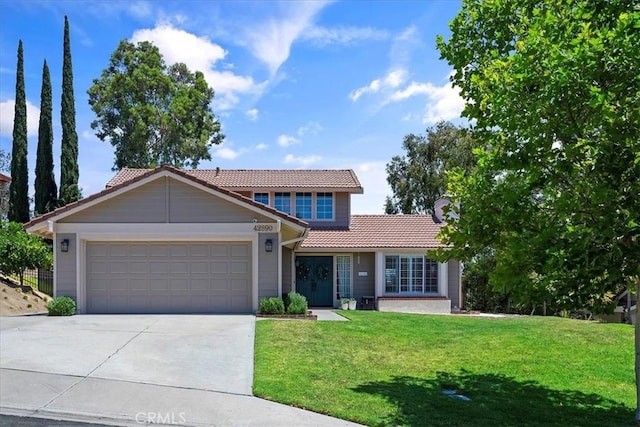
(637, 330)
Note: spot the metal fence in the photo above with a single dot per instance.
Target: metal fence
(40, 279)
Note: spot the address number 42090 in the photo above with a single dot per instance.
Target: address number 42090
(263, 227)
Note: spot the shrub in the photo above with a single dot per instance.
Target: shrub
(61, 306)
(273, 305)
(297, 303)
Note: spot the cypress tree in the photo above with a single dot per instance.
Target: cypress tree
(19, 189)
(46, 189)
(69, 190)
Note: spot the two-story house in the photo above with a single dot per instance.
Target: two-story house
(168, 240)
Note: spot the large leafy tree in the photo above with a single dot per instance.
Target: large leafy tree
(153, 114)
(554, 90)
(20, 250)
(418, 177)
(19, 189)
(45, 183)
(69, 175)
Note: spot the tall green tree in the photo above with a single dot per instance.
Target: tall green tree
(153, 114)
(20, 250)
(19, 189)
(554, 90)
(418, 178)
(69, 175)
(46, 190)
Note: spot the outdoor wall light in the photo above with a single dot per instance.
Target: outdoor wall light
(268, 245)
(64, 245)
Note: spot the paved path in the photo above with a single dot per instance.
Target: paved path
(133, 369)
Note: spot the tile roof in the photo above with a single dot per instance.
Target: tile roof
(378, 231)
(4, 178)
(238, 179)
(150, 172)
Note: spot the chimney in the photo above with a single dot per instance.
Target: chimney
(217, 170)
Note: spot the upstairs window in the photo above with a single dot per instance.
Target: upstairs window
(303, 206)
(282, 202)
(324, 206)
(261, 198)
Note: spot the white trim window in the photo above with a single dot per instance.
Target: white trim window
(343, 277)
(324, 206)
(304, 206)
(410, 274)
(261, 198)
(282, 202)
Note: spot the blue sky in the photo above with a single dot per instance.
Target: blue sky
(298, 84)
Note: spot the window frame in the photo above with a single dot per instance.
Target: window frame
(255, 194)
(316, 209)
(281, 194)
(421, 279)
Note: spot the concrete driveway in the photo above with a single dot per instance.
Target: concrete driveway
(137, 369)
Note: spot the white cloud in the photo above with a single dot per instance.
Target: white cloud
(7, 110)
(252, 114)
(322, 36)
(261, 146)
(301, 161)
(391, 80)
(287, 140)
(403, 45)
(445, 103)
(311, 128)
(271, 40)
(226, 153)
(200, 54)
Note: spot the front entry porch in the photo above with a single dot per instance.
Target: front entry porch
(314, 279)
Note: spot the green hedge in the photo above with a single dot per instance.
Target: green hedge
(61, 306)
(296, 303)
(273, 305)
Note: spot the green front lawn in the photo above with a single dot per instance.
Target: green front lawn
(391, 369)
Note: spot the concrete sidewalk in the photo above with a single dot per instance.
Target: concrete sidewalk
(35, 394)
(134, 369)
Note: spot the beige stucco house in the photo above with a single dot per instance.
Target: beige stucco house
(168, 240)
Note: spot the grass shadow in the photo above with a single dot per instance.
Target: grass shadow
(496, 400)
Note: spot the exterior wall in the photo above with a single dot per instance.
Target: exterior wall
(267, 267)
(141, 205)
(148, 204)
(342, 212)
(364, 286)
(453, 285)
(415, 305)
(65, 268)
(191, 205)
(287, 280)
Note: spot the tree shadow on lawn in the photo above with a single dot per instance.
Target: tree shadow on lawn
(496, 400)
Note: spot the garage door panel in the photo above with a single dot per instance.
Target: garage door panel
(179, 268)
(239, 268)
(179, 284)
(158, 267)
(199, 267)
(177, 250)
(168, 277)
(158, 284)
(161, 251)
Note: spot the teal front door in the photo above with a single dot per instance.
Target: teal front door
(314, 279)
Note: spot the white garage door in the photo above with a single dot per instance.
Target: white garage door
(168, 277)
